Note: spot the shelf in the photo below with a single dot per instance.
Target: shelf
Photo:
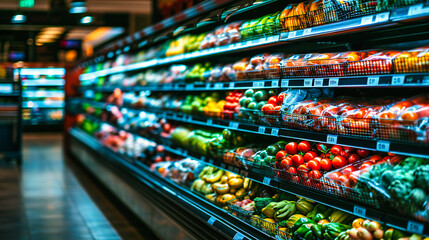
(411, 149)
(44, 82)
(43, 104)
(346, 205)
(216, 219)
(41, 93)
(388, 80)
(385, 19)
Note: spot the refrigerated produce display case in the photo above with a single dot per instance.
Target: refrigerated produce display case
(43, 96)
(273, 120)
(10, 114)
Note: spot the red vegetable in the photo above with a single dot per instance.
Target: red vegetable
(304, 146)
(291, 148)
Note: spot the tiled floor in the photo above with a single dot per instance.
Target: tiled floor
(46, 199)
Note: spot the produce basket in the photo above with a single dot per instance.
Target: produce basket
(336, 70)
(402, 130)
(273, 73)
(368, 67)
(272, 119)
(331, 187)
(238, 211)
(260, 30)
(411, 64)
(266, 226)
(249, 116)
(309, 19)
(282, 235)
(258, 167)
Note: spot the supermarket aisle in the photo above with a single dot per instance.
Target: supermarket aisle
(52, 203)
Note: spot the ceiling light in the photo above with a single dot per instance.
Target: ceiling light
(86, 20)
(19, 18)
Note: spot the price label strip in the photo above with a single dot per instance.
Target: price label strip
(238, 236)
(383, 146)
(318, 82)
(398, 80)
(308, 82)
(275, 83)
(333, 82)
(360, 211)
(415, 227)
(372, 81)
(261, 129)
(211, 220)
(233, 125)
(285, 83)
(331, 139)
(292, 34)
(274, 131)
(307, 31)
(259, 84)
(231, 85)
(266, 181)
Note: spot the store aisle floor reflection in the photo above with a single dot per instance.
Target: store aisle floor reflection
(56, 204)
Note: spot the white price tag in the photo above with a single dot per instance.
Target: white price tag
(207, 85)
(372, 81)
(231, 46)
(218, 85)
(333, 82)
(211, 220)
(308, 55)
(382, 17)
(239, 44)
(262, 40)
(294, 57)
(415, 227)
(318, 82)
(292, 34)
(307, 31)
(222, 165)
(416, 9)
(176, 86)
(238, 236)
(398, 80)
(203, 158)
(266, 181)
(211, 161)
(274, 131)
(185, 152)
(383, 146)
(331, 139)
(366, 20)
(275, 83)
(258, 84)
(273, 38)
(360, 211)
(261, 129)
(308, 82)
(285, 83)
(189, 86)
(209, 121)
(231, 85)
(233, 125)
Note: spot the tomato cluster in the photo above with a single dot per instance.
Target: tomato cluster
(311, 160)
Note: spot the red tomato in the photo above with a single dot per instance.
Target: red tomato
(314, 165)
(326, 164)
(365, 165)
(316, 158)
(309, 155)
(349, 170)
(291, 148)
(375, 158)
(339, 162)
(280, 98)
(304, 146)
(335, 175)
(273, 100)
(325, 155)
(336, 149)
(297, 159)
(285, 163)
(363, 153)
(280, 154)
(322, 147)
(230, 98)
(292, 170)
(303, 168)
(343, 178)
(277, 110)
(353, 158)
(315, 174)
(391, 154)
(267, 109)
(345, 154)
(349, 149)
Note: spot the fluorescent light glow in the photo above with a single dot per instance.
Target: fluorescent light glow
(77, 10)
(19, 18)
(45, 40)
(55, 29)
(50, 36)
(86, 20)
